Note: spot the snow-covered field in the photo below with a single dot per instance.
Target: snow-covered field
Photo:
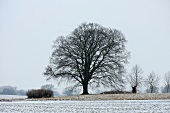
(11, 96)
(114, 106)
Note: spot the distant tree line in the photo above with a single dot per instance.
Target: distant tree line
(10, 90)
(136, 80)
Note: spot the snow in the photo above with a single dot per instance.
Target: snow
(86, 106)
(11, 96)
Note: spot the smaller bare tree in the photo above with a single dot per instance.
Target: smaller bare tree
(135, 78)
(47, 86)
(152, 83)
(166, 88)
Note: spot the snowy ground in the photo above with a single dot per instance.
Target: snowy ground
(11, 96)
(114, 106)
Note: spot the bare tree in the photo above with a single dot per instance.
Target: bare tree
(69, 91)
(135, 78)
(166, 88)
(152, 83)
(8, 90)
(91, 54)
(47, 86)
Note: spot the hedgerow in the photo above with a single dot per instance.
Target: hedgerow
(39, 93)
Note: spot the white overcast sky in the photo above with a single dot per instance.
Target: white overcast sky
(29, 27)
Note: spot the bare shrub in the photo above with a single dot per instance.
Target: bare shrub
(39, 93)
(116, 92)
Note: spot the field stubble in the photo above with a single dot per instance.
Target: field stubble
(156, 96)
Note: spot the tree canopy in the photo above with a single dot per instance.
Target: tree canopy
(91, 54)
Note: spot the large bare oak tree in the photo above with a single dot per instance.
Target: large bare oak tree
(91, 54)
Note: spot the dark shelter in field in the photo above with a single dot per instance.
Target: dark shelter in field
(90, 55)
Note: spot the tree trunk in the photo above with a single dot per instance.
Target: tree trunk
(85, 89)
(168, 87)
(151, 89)
(134, 89)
